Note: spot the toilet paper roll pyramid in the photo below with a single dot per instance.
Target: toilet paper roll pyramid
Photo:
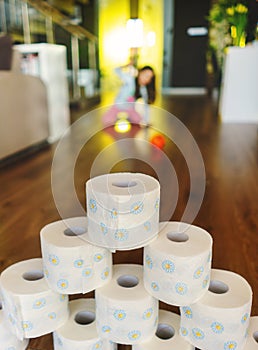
(123, 210)
(71, 264)
(220, 319)
(167, 336)
(177, 264)
(125, 312)
(31, 307)
(252, 335)
(7, 339)
(79, 332)
(127, 208)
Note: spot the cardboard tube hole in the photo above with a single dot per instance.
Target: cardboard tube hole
(127, 281)
(165, 331)
(1, 305)
(75, 231)
(255, 335)
(218, 287)
(177, 237)
(124, 184)
(84, 317)
(34, 275)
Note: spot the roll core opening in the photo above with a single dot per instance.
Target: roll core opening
(84, 317)
(218, 287)
(178, 237)
(75, 231)
(127, 281)
(165, 331)
(33, 275)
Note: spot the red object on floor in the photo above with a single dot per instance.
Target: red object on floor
(158, 140)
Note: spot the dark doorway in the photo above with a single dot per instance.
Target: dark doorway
(189, 38)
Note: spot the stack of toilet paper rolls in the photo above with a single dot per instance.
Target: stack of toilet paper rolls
(123, 214)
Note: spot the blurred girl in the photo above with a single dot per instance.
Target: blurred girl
(136, 84)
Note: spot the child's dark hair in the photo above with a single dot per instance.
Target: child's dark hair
(150, 87)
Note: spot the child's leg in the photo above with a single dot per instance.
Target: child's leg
(134, 116)
(110, 116)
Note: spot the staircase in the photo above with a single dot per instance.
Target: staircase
(37, 21)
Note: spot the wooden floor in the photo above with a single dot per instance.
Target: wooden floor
(228, 210)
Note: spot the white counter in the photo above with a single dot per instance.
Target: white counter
(239, 91)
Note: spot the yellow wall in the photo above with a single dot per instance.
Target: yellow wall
(113, 47)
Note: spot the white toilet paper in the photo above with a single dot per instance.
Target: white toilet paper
(219, 320)
(167, 336)
(79, 332)
(8, 341)
(125, 312)
(177, 264)
(32, 308)
(123, 210)
(71, 264)
(252, 337)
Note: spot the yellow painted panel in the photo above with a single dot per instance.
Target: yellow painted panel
(113, 46)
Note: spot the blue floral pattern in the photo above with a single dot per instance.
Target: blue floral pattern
(93, 205)
(98, 257)
(39, 303)
(63, 297)
(205, 282)
(106, 329)
(104, 228)
(62, 284)
(181, 288)
(78, 263)
(105, 273)
(244, 318)
(198, 272)
(87, 272)
(97, 345)
(217, 327)
(198, 333)
(187, 311)
(183, 331)
(27, 326)
(168, 266)
(155, 286)
(121, 235)
(156, 205)
(52, 315)
(149, 262)
(137, 208)
(134, 335)
(53, 259)
(46, 272)
(147, 226)
(120, 315)
(230, 345)
(114, 213)
(148, 313)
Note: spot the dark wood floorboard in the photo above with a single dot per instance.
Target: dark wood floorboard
(229, 207)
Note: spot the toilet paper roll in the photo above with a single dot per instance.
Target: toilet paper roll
(252, 336)
(177, 264)
(123, 210)
(125, 312)
(167, 335)
(8, 341)
(219, 320)
(71, 264)
(32, 308)
(79, 332)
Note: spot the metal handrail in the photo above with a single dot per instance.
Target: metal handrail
(63, 21)
(52, 15)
